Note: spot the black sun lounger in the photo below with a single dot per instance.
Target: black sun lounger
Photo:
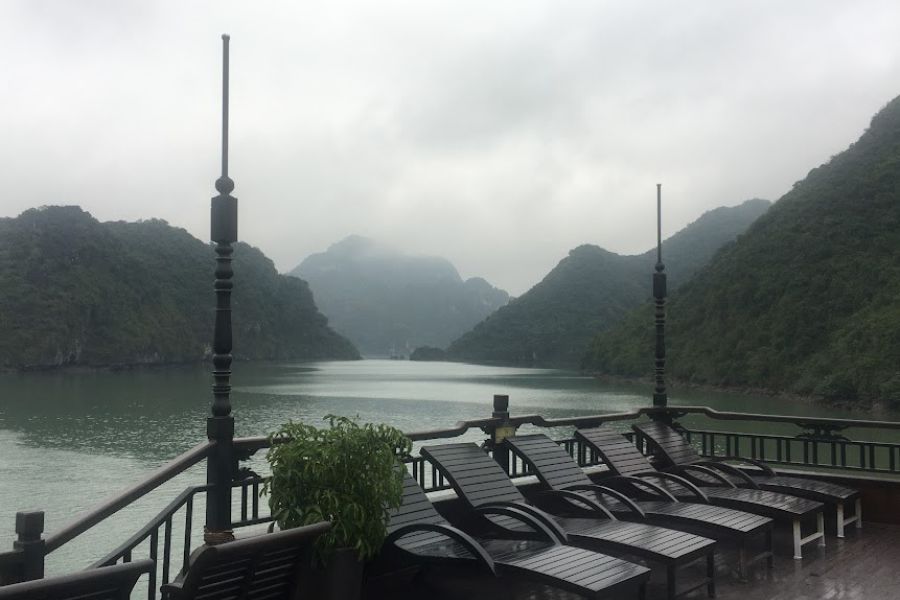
(557, 470)
(677, 453)
(481, 484)
(418, 531)
(624, 459)
(261, 567)
(102, 583)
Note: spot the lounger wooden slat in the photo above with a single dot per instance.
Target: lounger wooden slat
(765, 503)
(538, 451)
(584, 572)
(648, 542)
(677, 453)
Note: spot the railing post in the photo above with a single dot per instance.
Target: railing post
(501, 431)
(29, 540)
(220, 426)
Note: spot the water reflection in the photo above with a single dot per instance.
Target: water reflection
(153, 414)
(68, 440)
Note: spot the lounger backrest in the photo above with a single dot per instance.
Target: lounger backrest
(616, 450)
(667, 444)
(416, 507)
(263, 566)
(103, 583)
(476, 477)
(548, 460)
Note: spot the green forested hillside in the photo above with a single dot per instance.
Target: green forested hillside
(74, 291)
(588, 291)
(807, 301)
(552, 322)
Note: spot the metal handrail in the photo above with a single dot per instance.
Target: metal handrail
(540, 421)
(245, 447)
(145, 531)
(252, 444)
(116, 503)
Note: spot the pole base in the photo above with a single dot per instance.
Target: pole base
(213, 538)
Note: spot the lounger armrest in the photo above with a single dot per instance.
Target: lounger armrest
(462, 538)
(750, 461)
(541, 521)
(730, 470)
(600, 491)
(708, 472)
(640, 483)
(697, 492)
(573, 497)
(171, 591)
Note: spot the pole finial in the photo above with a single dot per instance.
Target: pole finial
(223, 226)
(224, 185)
(659, 262)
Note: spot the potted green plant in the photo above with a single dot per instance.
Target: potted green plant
(345, 473)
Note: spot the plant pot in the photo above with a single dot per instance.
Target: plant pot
(340, 579)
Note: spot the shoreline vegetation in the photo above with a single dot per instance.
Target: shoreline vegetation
(148, 366)
(643, 383)
(869, 404)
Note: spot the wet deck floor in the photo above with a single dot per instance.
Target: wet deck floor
(864, 565)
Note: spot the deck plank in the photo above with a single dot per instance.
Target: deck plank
(862, 566)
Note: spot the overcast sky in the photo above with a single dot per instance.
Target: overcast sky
(499, 134)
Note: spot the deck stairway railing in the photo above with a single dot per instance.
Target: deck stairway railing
(169, 537)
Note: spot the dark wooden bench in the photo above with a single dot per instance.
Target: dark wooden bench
(263, 567)
(481, 483)
(104, 583)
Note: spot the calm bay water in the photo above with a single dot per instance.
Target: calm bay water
(69, 440)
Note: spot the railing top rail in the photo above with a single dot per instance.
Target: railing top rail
(795, 419)
(258, 442)
(461, 427)
(803, 421)
(114, 504)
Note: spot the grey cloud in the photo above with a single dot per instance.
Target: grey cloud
(499, 135)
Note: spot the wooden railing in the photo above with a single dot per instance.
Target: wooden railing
(818, 443)
(26, 561)
(149, 534)
(829, 453)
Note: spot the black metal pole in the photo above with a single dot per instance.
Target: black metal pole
(501, 411)
(220, 426)
(660, 399)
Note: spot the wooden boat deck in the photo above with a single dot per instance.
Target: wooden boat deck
(864, 565)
